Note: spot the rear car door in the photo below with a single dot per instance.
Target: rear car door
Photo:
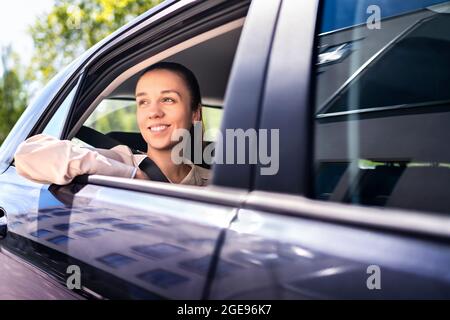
(359, 206)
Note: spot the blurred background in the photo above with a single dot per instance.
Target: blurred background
(38, 38)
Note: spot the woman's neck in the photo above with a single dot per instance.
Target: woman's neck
(174, 172)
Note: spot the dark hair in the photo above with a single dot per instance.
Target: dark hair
(186, 74)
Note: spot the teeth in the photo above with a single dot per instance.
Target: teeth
(158, 128)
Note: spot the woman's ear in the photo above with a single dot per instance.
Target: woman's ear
(197, 114)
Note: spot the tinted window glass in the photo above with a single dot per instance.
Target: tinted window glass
(383, 105)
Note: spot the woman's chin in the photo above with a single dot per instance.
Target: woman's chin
(160, 146)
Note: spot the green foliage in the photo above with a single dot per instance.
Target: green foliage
(114, 115)
(212, 118)
(73, 26)
(13, 97)
(60, 36)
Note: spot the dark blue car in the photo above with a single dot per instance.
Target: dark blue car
(358, 207)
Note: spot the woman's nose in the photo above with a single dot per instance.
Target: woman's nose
(154, 111)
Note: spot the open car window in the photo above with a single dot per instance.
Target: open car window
(113, 115)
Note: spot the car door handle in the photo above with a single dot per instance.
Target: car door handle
(3, 223)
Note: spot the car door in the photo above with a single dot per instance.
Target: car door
(343, 218)
(130, 239)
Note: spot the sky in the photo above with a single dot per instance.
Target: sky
(15, 17)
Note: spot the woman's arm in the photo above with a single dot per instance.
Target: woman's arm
(45, 159)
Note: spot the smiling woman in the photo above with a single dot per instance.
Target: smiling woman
(168, 99)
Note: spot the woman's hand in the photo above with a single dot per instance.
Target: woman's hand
(141, 175)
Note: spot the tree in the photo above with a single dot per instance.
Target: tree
(73, 26)
(13, 97)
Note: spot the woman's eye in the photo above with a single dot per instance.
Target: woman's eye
(168, 100)
(142, 102)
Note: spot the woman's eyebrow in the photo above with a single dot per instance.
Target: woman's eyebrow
(164, 91)
(169, 91)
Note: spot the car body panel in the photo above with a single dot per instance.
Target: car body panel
(151, 236)
(21, 281)
(297, 258)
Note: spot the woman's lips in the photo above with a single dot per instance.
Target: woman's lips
(158, 128)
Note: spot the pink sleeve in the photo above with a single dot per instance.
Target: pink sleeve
(45, 159)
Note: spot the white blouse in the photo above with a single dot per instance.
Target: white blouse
(46, 159)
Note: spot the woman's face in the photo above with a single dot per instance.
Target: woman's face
(163, 106)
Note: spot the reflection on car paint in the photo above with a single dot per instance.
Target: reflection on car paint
(58, 240)
(38, 218)
(197, 241)
(131, 226)
(247, 256)
(158, 250)
(60, 213)
(67, 226)
(104, 220)
(115, 260)
(40, 233)
(162, 278)
(12, 226)
(90, 233)
(201, 265)
(136, 217)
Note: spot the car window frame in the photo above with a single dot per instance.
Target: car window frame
(291, 68)
(59, 117)
(259, 78)
(249, 71)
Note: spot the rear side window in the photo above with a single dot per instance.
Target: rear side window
(382, 105)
